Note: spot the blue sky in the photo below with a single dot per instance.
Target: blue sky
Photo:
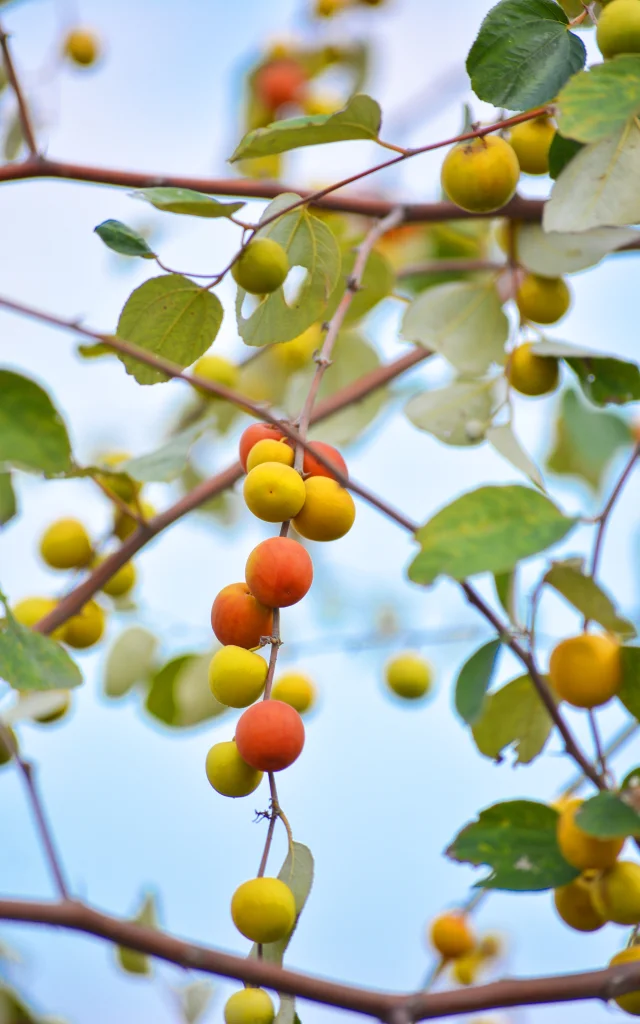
(381, 788)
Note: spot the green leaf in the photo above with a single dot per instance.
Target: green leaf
(32, 433)
(607, 816)
(95, 351)
(14, 140)
(160, 700)
(33, 661)
(297, 873)
(130, 960)
(458, 414)
(600, 101)
(123, 239)
(168, 461)
(378, 282)
(561, 152)
(553, 254)
(631, 781)
(586, 440)
(129, 661)
(463, 321)
(194, 1000)
(599, 186)
(287, 1011)
(513, 716)
(179, 693)
(360, 119)
(171, 317)
(587, 597)
(487, 530)
(517, 840)
(308, 243)
(505, 442)
(8, 505)
(474, 680)
(505, 587)
(604, 379)
(523, 54)
(629, 692)
(187, 201)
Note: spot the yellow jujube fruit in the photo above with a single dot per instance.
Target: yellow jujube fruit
(82, 47)
(228, 773)
(124, 525)
(121, 582)
(249, 1006)
(409, 675)
(586, 670)
(480, 175)
(530, 374)
(575, 905)
(269, 450)
(297, 353)
(451, 935)
(263, 909)
(237, 676)
(543, 300)
(262, 267)
(618, 28)
(274, 492)
(630, 1002)
(295, 689)
(465, 969)
(616, 893)
(66, 545)
(581, 850)
(30, 610)
(328, 512)
(218, 370)
(86, 627)
(531, 141)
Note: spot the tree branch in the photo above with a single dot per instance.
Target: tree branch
(23, 108)
(604, 516)
(603, 985)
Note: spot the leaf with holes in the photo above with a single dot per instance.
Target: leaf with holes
(607, 816)
(459, 414)
(474, 679)
(32, 432)
(310, 244)
(596, 103)
(587, 597)
(513, 716)
(186, 201)
(297, 873)
(586, 440)
(171, 317)
(123, 239)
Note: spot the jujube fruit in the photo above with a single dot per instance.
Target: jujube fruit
(581, 850)
(616, 893)
(122, 581)
(6, 751)
(328, 512)
(237, 676)
(295, 689)
(531, 142)
(274, 492)
(574, 904)
(451, 935)
(618, 28)
(228, 773)
(82, 47)
(66, 545)
(586, 670)
(269, 451)
(409, 676)
(481, 175)
(263, 909)
(256, 432)
(531, 374)
(543, 300)
(270, 736)
(217, 370)
(124, 525)
(249, 1006)
(261, 267)
(30, 610)
(238, 618)
(465, 969)
(280, 82)
(297, 353)
(85, 628)
(312, 467)
(279, 572)
(630, 1002)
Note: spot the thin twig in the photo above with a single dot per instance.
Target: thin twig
(603, 518)
(274, 814)
(23, 108)
(597, 743)
(448, 266)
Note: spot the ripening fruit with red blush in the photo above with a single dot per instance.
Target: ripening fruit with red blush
(256, 432)
(238, 618)
(280, 82)
(270, 735)
(312, 467)
(279, 572)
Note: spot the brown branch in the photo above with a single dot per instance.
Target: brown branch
(23, 108)
(604, 516)
(449, 266)
(603, 984)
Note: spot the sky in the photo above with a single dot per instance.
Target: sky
(381, 788)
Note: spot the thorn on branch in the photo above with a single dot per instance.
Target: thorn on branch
(271, 641)
(353, 284)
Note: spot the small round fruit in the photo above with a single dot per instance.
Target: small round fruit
(531, 142)
(30, 610)
(124, 525)
(574, 904)
(256, 432)
(269, 451)
(280, 82)
(328, 8)
(262, 267)
(237, 676)
(270, 735)
(409, 676)
(217, 370)
(263, 909)
(297, 353)
(328, 512)
(228, 773)
(583, 851)
(85, 628)
(465, 969)
(279, 572)
(312, 467)
(124, 486)
(543, 300)
(66, 545)
(481, 175)
(274, 492)
(616, 894)
(82, 47)
(618, 28)
(586, 670)
(451, 935)
(295, 689)
(6, 751)
(490, 947)
(122, 581)
(530, 374)
(237, 618)
(249, 1006)
(630, 1002)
